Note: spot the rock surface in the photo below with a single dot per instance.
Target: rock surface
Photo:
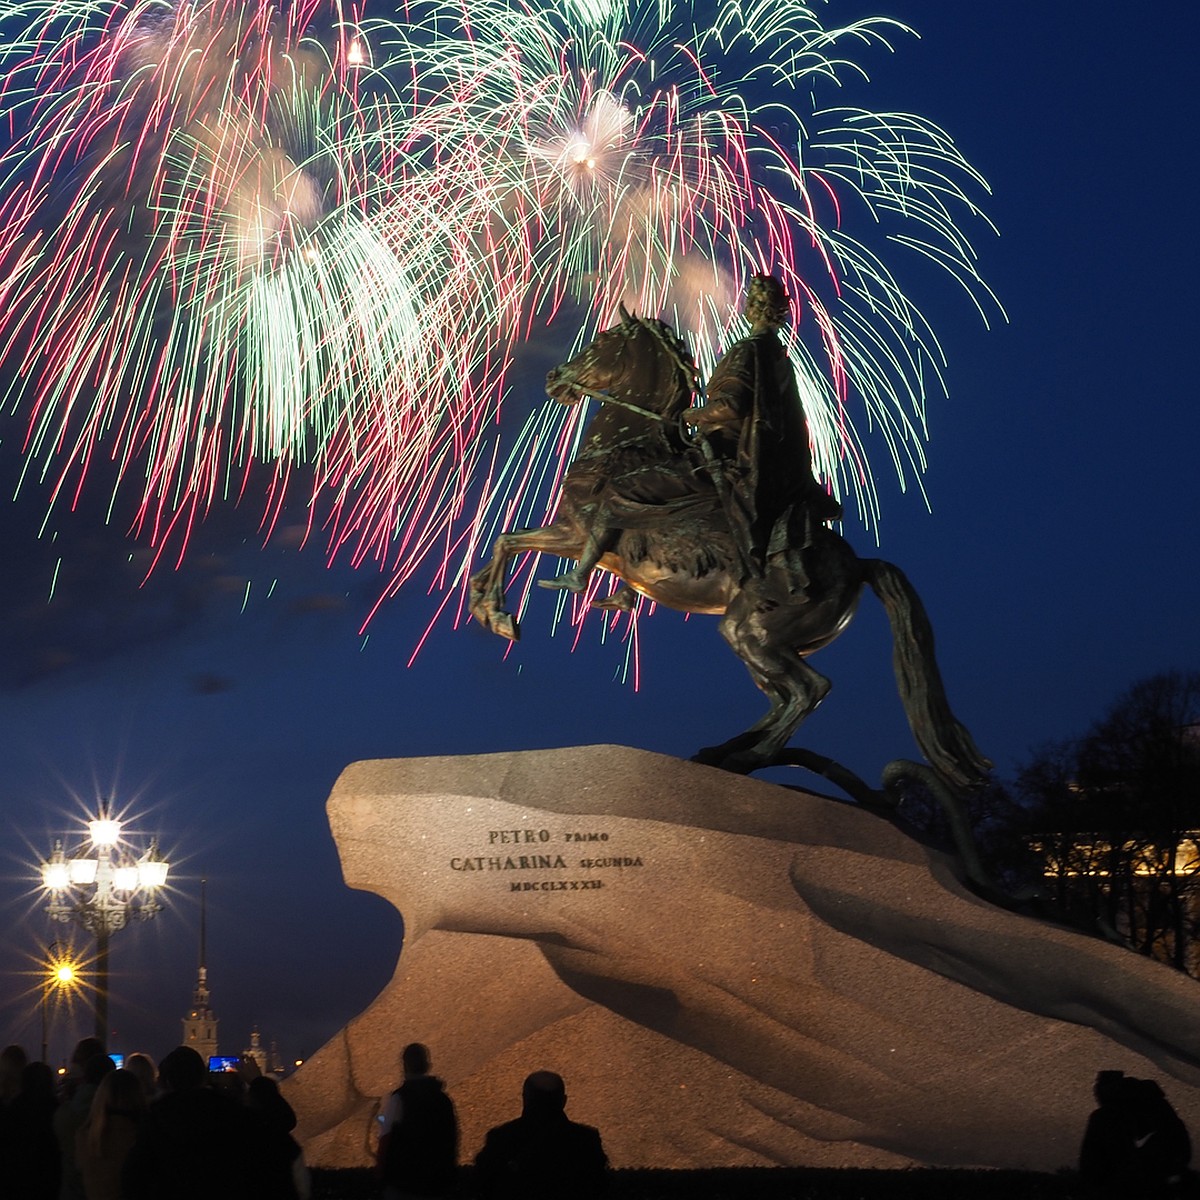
(726, 973)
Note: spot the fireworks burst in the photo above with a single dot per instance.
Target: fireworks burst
(625, 160)
(234, 233)
(215, 256)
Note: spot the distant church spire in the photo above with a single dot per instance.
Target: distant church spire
(200, 1025)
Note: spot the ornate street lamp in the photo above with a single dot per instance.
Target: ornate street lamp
(101, 886)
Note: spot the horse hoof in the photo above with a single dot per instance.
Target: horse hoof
(496, 621)
(505, 624)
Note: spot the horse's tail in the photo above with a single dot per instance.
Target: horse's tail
(944, 740)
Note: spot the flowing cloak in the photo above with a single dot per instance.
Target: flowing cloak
(754, 416)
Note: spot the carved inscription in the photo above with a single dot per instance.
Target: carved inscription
(557, 856)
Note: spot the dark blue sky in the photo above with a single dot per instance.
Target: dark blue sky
(1058, 564)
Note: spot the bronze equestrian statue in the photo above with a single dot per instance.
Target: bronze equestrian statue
(729, 522)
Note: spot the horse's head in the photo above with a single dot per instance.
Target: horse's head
(599, 367)
(640, 361)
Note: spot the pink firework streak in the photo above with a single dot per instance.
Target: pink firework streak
(239, 239)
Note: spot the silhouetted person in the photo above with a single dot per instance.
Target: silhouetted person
(197, 1143)
(31, 1167)
(541, 1155)
(275, 1119)
(73, 1112)
(1164, 1148)
(418, 1144)
(142, 1065)
(12, 1067)
(1108, 1154)
(85, 1049)
(1135, 1147)
(264, 1097)
(104, 1141)
(13, 1061)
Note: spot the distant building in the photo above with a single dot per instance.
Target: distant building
(1139, 875)
(1143, 884)
(257, 1052)
(200, 1025)
(266, 1058)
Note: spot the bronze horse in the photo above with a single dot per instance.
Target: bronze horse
(674, 546)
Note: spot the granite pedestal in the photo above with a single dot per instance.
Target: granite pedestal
(726, 972)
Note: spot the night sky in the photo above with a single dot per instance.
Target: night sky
(1058, 565)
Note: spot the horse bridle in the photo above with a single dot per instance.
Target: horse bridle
(712, 463)
(691, 379)
(695, 386)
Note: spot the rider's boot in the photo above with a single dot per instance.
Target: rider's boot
(577, 580)
(622, 600)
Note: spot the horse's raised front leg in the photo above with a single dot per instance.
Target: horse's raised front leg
(755, 629)
(487, 599)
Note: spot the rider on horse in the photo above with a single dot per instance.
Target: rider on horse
(755, 423)
(758, 459)
(733, 527)
(635, 469)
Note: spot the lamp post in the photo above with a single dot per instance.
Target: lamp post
(61, 974)
(101, 886)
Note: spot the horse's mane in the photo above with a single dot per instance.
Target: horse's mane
(667, 332)
(666, 336)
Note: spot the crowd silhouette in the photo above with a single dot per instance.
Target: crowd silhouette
(183, 1132)
(178, 1132)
